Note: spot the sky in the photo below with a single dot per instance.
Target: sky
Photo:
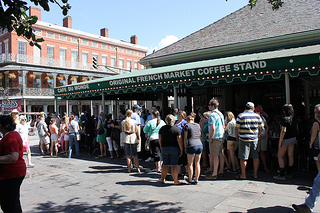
(156, 23)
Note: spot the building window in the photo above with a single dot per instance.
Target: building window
(113, 62)
(128, 51)
(0, 47)
(121, 63)
(104, 46)
(74, 58)
(6, 47)
(104, 60)
(50, 82)
(85, 60)
(94, 44)
(135, 65)
(5, 30)
(63, 57)
(50, 35)
(22, 51)
(37, 80)
(121, 50)
(63, 37)
(74, 40)
(85, 42)
(113, 48)
(129, 67)
(38, 32)
(50, 55)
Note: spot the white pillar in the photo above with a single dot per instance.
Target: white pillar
(111, 107)
(55, 106)
(100, 109)
(70, 109)
(24, 105)
(67, 107)
(287, 87)
(91, 107)
(45, 109)
(103, 102)
(175, 97)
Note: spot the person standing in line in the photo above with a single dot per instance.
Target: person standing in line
(61, 135)
(43, 133)
(12, 166)
(65, 130)
(248, 127)
(180, 123)
(130, 128)
(102, 136)
(111, 143)
(193, 149)
(287, 142)
(315, 137)
(216, 133)
(89, 130)
(23, 130)
(153, 108)
(171, 148)
(263, 139)
(314, 194)
(53, 129)
(136, 116)
(205, 137)
(152, 129)
(73, 130)
(232, 143)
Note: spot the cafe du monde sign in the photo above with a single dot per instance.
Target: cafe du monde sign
(169, 76)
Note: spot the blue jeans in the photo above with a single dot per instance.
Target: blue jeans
(314, 193)
(131, 150)
(72, 137)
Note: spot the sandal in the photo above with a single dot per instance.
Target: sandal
(210, 177)
(237, 177)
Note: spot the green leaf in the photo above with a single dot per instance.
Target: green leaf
(31, 43)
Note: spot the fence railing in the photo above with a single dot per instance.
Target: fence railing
(26, 91)
(26, 59)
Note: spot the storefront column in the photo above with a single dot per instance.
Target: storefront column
(91, 107)
(175, 97)
(24, 105)
(70, 108)
(55, 106)
(103, 103)
(45, 109)
(306, 99)
(67, 107)
(287, 87)
(111, 107)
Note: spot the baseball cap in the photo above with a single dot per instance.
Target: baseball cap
(250, 105)
(137, 107)
(15, 111)
(259, 109)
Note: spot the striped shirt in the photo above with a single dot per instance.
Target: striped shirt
(216, 118)
(248, 123)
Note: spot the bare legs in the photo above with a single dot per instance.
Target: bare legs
(54, 145)
(66, 146)
(103, 150)
(174, 173)
(243, 164)
(196, 160)
(136, 162)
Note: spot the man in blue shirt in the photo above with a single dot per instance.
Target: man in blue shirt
(135, 116)
(216, 133)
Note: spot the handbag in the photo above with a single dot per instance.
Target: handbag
(147, 144)
(100, 130)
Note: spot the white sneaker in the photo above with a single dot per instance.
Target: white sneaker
(149, 159)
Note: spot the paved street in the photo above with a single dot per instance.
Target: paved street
(59, 184)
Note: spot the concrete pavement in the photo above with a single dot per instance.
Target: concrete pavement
(60, 184)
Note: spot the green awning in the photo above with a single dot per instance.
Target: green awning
(298, 62)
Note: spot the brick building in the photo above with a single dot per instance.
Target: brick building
(29, 74)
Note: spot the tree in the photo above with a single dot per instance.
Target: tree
(13, 17)
(276, 4)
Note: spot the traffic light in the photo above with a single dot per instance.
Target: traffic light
(94, 63)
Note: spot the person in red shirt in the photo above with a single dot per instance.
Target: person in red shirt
(12, 166)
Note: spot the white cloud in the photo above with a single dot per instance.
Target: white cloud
(164, 42)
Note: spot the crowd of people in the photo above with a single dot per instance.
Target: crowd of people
(184, 142)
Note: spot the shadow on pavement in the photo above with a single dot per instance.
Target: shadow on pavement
(114, 203)
(278, 209)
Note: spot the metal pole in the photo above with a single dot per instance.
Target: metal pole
(67, 107)
(175, 96)
(91, 107)
(103, 104)
(287, 87)
(24, 105)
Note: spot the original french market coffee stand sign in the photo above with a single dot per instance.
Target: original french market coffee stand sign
(162, 79)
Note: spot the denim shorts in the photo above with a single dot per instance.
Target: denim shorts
(195, 150)
(170, 155)
(131, 150)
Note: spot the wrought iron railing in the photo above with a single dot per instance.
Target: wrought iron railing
(26, 59)
(7, 92)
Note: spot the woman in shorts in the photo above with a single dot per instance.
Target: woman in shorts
(193, 148)
(232, 143)
(171, 148)
(23, 130)
(286, 142)
(54, 136)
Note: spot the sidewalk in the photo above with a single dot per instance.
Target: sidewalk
(60, 184)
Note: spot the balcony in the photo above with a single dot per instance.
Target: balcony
(7, 92)
(26, 59)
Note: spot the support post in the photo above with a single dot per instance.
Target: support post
(67, 107)
(175, 96)
(287, 88)
(24, 105)
(91, 107)
(103, 102)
